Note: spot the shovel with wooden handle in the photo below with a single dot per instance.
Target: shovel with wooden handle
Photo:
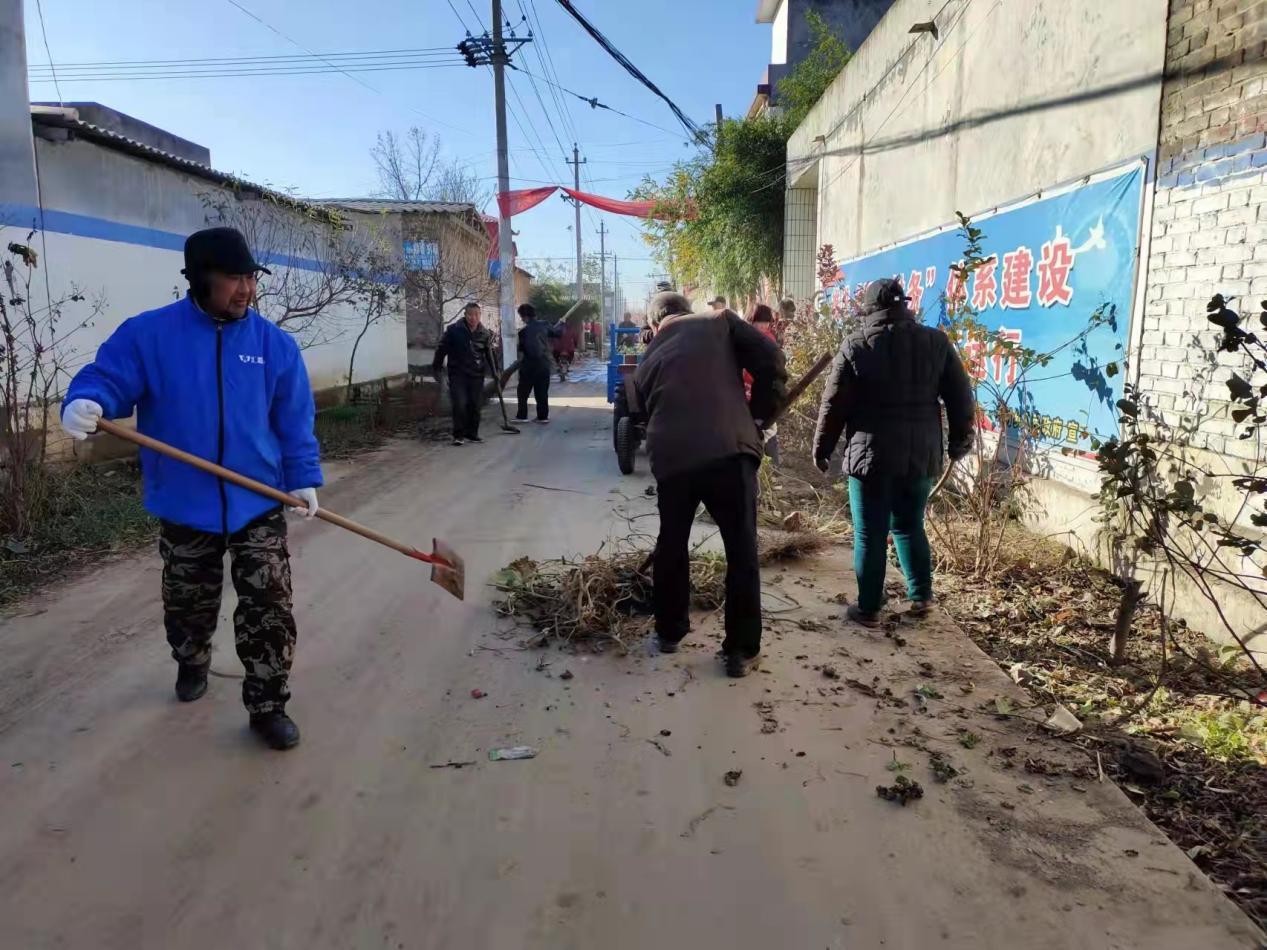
(448, 570)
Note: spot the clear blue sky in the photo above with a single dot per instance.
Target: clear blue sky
(313, 133)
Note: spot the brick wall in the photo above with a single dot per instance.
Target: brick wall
(1209, 222)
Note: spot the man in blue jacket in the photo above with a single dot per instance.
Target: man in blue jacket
(211, 376)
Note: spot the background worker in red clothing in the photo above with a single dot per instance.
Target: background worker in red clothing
(762, 318)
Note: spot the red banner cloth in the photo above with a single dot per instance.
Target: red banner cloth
(513, 202)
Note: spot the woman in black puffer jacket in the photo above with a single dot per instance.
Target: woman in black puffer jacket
(885, 393)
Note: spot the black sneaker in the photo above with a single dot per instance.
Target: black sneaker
(667, 646)
(521, 418)
(738, 666)
(862, 617)
(191, 682)
(457, 441)
(276, 728)
(473, 438)
(543, 422)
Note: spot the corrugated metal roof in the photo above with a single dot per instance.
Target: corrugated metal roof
(377, 205)
(67, 119)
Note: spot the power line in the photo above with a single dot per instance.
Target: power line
(592, 101)
(475, 14)
(48, 52)
(545, 112)
(298, 70)
(459, 17)
(696, 132)
(354, 78)
(546, 59)
(130, 64)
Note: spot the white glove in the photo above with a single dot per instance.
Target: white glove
(79, 418)
(310, 496)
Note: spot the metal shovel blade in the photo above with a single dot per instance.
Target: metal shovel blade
(448, 569)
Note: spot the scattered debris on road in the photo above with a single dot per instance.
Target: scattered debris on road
(512, 753)
(607, 598)
(660, 745)
(1062, 721)
(452, 765)
(769, 724)
(902, 790)
(695, 822)
(478, 694)
(943, 771)
(566, 675)
(732, 777)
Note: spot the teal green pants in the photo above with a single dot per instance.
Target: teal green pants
(881, 505)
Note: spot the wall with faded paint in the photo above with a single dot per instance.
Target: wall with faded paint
(17, 160)
(114, 228)
(1009, 99)
(1014, 98)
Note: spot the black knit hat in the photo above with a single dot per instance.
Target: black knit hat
(883, 294)
(219, 249)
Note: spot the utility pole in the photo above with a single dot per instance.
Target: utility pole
(486, 51)
(505, 245)
(602, 270)
(616, 307)
(576, 164)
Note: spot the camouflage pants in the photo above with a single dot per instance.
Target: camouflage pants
(264, 629)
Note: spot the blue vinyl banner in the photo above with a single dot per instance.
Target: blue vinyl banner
(1050, 264)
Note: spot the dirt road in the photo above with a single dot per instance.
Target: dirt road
(132, 821)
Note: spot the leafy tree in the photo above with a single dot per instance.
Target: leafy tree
(723, 209)
(554, 292)
(797, 92)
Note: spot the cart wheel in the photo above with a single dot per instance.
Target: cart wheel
(620, 410)
(626, 444)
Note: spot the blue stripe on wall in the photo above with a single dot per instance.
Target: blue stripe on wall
(102, 229)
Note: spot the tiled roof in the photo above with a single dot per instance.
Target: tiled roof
(376, 205)
(65, 119)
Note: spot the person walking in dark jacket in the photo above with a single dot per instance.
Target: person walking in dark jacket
(467, 345)
(705, 444)
(536, 363)
(211, 376)
(884, 393)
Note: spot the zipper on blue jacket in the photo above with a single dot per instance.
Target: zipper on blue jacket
(224, 496)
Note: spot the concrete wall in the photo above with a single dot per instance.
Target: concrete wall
(115, 225)
(435, 298)
(852, 20)
(1012, 98)
(17, 160)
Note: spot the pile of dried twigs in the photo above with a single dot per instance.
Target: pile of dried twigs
(605, 598)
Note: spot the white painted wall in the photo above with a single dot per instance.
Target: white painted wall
(131, 279)
(916, 128)
(132, 276)
(778, 43)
